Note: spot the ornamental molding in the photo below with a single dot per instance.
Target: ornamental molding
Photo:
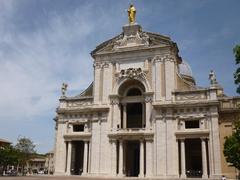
(158, 59)
(100, 65)
(132, 73)
(191, 96)
(114, 99)
(140, 38)
(148, 97)
(163, 58)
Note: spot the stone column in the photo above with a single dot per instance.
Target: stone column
(114, 158)
(148, 101)
(149, 158)
(115, 116)
(69, 158)
(210, 159)
(169, 75)
(158, 77)
(97, 78)
(183, 159)
(116, 119)
(124, 116)
(215, 143)
(141, 168)
(120, 172)
(85, 155)
(204, 158)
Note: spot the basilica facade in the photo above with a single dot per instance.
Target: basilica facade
(143, 115)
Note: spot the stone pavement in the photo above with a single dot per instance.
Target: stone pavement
(46, 177)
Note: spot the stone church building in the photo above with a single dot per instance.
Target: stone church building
(143, 115)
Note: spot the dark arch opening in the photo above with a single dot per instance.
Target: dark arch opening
(134, 92)
(129, 83)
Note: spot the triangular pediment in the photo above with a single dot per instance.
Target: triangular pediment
(132, 36)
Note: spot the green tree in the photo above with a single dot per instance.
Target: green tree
(27, 149)
(232, 147)
(236, 51)
(8, 156)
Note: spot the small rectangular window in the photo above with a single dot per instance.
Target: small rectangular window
(78, 128)
(191, 124)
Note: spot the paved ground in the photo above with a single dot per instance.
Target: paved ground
(44, 177)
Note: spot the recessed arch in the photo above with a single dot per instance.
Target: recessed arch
(134, 92)
(143, 81)
(131, 85)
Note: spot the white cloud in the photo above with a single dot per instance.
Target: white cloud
(34, 64)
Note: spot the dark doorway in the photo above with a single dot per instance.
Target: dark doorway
(193, 158)
(132, 158)
(77, 157)
(134, 115)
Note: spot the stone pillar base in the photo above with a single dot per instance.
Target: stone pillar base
(183, 176)
(120, 175)
(204, 176)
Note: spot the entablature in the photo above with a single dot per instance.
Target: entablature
(77, 136)
(87, 109)
(192, 133)
(131, 134)
(180, 104)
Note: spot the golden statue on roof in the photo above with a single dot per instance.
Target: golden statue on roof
(131, 14)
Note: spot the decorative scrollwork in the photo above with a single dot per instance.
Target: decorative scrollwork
(97, 65)
(148, 99)
(131, 73)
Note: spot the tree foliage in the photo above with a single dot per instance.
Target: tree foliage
(236, 51)
(232, 143)
(26, 148)
(232, 147)
(19, 154)
(9, 156)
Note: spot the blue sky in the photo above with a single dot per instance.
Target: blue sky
(44, 43)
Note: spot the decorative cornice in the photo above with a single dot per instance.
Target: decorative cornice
(83, 110)
(163, 58)
(100, 65)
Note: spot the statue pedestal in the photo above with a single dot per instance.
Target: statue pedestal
(132, 37)
(131, 29)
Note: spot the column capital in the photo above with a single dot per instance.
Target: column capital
(113, 140)
(114, 99)
(182, 139)
(149, 139)
(204, 138)
(148, 97)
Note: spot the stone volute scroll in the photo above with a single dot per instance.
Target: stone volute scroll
(64, 89)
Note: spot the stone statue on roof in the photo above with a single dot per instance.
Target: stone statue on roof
(131, 14)
(64, 89)
(212, 78)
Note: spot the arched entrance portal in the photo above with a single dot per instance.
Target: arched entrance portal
(132, 104)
